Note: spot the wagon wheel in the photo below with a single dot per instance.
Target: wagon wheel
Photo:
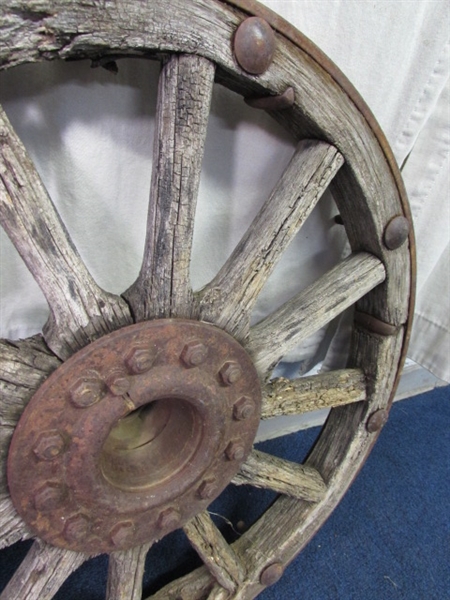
(168, 361)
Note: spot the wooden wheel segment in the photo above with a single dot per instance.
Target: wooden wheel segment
(339, 146)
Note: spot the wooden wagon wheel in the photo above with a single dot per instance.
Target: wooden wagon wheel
(72, 396)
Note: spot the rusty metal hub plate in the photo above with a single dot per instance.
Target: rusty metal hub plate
(134, 435)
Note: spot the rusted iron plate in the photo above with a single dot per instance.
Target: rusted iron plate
(134, 435)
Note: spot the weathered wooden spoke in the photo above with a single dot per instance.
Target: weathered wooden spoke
(79, 310)
(313, 308)
(218, 556)
(163, 286)
(338, 144)
(24, 365)
(125, 574)
(42, 573)
(269, 472)
(230, 297)
(297, 396)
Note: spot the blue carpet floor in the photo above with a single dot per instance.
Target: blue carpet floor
(389, 539)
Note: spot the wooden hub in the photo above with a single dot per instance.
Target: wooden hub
(134, 435)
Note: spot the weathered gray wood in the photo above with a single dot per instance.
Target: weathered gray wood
(194, 586)
(297, 396)
(24, 365)
(163, 287)
(290, 523)
(367, 189)
(313, 308)
(218, 556)
(42, 572)
(79, 310)
(125, 574)
(218, 593)
(283, 476)
(12, 528)
(228, 300)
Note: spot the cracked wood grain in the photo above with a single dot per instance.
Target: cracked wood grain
(163, 286)
(125, 573)
(285, 477)
(42, 572)
(313, 308)
(218, 556)
(297, 396)
(229, 298)
(80, 311)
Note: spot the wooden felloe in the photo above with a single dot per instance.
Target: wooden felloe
(339, 147)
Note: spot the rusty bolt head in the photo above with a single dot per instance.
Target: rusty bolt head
(169, 519)
(207, 489)
(235, 451)
(76, 528)
(122, 533)
(86, 391)
(244, 409)
(118, 384)
(49, 496)
(271, 574)
(194, 354)
(254, 45)
(230, 373)
(396, 232)
(49, 445)
(377, 420)
(140, 360)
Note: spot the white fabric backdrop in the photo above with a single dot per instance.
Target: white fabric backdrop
(90, 134)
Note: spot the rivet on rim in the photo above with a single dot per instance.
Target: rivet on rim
(86, 391)
(194, 354)
(377, 420)
(396, 232)
(271, 574)
(254, 45)
(243, 409)
(235, 451)
(230, 373)
(49, 445)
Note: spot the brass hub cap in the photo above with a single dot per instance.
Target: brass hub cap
(134, 435)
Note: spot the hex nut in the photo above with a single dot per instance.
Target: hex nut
(230, 373)
(244, 409)
(194, 354)
(235, 451)
(169, 519)
(208, 489)
(118, 383)
(50, 496)
(86, 391)
(49, 445)
(76, 528)
(122, 533)
(271, 574)
(140, 360)
(254, 45)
